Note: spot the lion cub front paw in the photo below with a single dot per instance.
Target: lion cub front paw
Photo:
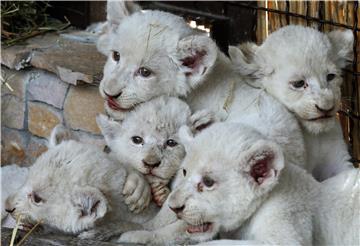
(202, 119)
(95, 234)
(137, 192)
(160, 193)
(141, 237)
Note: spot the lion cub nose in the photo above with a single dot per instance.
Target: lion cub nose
(177, 210)
(8, 208)
(113, 96)
(322, 110)
(151, 164)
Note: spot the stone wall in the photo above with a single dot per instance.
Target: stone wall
(38, 99)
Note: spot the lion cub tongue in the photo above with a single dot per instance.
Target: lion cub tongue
(198, 228)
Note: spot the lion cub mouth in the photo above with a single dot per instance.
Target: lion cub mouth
(321, 118)
(199, 228)
(115, 106)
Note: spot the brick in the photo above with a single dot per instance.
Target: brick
(13, 146)
(71, 56)
(35, 148)
(17, 81)
(42, 119)
(47, 87)
(82, 105)
(12, 112)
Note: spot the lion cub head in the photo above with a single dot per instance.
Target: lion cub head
(148, 137)
(62, 191)
(301, 67)
(228, 171)
(150, 53)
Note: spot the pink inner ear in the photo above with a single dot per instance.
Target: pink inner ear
(193, 61)
(261, 170)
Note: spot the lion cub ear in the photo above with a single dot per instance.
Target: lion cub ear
(116, 12)
(263, 163)
(196, 55)
(243, 58)
(342, 46)
(89, 202)
(59, 134)
(108, 127)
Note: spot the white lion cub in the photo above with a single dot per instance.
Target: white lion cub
(164, 56)
(301, 67)
(74, 188)
(242, 190)
(147, 140)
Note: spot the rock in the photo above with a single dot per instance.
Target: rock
(47, 87)
(82, 104)
(72, 77)
(16, 57)
(35, 148)
(13, 145)
(16, 80)
(12, 112)
(71, 59)
(42, 119)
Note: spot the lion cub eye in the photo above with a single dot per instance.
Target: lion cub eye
(116, 56)
(298, 84)
(330, 77)
(137, 140)
(35, 198)
(184, 172)
(208, 182)
(144, 72)
(171, 143)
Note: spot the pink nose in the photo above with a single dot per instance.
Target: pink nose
(113, 96)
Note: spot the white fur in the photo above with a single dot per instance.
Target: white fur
(277, 211)
(295, 53)
(155, 122)
(12, 178)
(187, 64)
(337, 220)
(80, 189)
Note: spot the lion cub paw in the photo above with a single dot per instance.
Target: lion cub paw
(139, 237)
(137, 192)
(160, 193)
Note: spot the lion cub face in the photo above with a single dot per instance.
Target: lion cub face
(228, 170)
(58, 192)
(148, 138)
(161, 56)
(301, 67)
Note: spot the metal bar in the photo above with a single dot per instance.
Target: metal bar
(190, 11)
(322, 15)
(287, 11)
(309, 18)
(307, 13)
